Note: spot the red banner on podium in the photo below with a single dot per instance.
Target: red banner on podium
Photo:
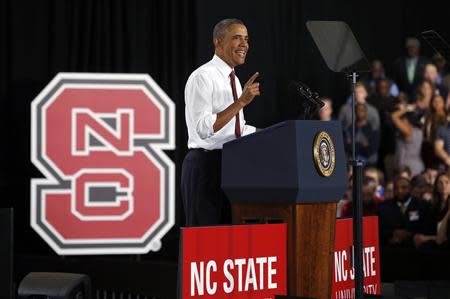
(243, 261)
(343, 275)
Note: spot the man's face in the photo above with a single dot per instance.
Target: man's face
(361, 112)
(233, 46)
(413, 51)
(383, 88)
(402, 190)
(360, 94)
(368, 192)
(430, 72)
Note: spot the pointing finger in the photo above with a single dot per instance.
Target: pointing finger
(252, 78)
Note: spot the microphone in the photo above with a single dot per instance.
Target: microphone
(311, 95)
(312, 103)
(306, 92)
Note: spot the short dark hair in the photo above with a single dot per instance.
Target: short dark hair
(222, 26)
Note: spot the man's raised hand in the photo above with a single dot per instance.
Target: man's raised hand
(251, 90)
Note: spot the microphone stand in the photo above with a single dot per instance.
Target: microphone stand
(312, 97)
(357, 168)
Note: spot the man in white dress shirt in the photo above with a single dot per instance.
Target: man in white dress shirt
(214, 101)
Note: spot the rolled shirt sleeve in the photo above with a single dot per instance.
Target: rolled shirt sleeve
(198, 96)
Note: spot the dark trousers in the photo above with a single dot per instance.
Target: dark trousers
(203, 199)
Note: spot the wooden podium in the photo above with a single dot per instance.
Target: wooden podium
(272, 177)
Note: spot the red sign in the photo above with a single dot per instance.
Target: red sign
(98, 139)
(344, 274)
(243, 261)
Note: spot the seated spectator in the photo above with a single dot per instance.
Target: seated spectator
(435, 118)
(326, 112)
(419, 186)
(441, 65)
(442, 235)
(389, 190)
(345, 113)
(377, 73)
(431, 74)
(441, 195)
(409, 139)
(442, 146)
(441, 207)
(367, 139)
(369, 197)
(403, 171)
(378, 176)
(430, 175)
(404, 217)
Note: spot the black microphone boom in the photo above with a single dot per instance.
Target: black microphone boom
(312, 103)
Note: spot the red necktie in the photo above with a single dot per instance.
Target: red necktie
(237, 126)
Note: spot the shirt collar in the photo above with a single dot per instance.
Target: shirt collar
(404, 204)
(222, 66)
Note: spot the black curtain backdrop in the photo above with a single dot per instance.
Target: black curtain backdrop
(168, 39)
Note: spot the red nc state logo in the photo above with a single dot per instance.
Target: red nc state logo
(99, 141)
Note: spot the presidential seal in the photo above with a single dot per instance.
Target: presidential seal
(323, 152)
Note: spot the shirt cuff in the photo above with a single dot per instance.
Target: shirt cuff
(248, 130)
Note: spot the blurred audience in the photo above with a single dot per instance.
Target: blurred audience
(326, 112)
(408, 69)
(409, 139)
(377, 74)
(441, 207)
(369, 198)
(345, 113)
(367, 139)
(435, 118)
(431, 74)
(377, 175)
(442, 146)
(404, 217)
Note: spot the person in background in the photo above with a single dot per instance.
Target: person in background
(430, 175)
(441, 207)
(443, 232)
(405, 221)
(441, 195)
(377, 73)
(389, 190)
(431, 74)
(426, 92)
(409, 140)
(435, 118)
(345, 113)
(442, 146)
(441, 65)
(378, 176)
(403, 171)
(419, 186)
(326, 112)
(369, 197)
(408, 69)
(383, 101)
(367, 139)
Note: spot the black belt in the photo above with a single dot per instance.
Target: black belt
(205, 150)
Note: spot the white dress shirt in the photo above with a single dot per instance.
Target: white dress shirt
(208, 92)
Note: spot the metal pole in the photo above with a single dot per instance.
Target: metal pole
(357, 228)
(357, 168)
(353, 78)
